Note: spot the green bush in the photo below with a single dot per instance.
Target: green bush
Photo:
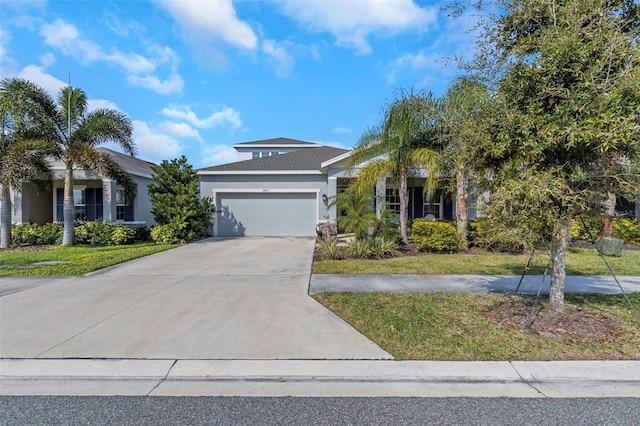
(167, 234)
(142, 234)
(434, 236)
(627, 229)
(104, 234)
(485, 234)
(49, 233)
(382, 247)
(360, 249)
(329, 248)
(585, 227)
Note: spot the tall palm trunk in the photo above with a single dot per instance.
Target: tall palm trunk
(68, 206)
(462, 212)
(608, 213)
(404, 205)
(558, 271)
(5, 216)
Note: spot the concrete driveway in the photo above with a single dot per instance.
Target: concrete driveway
(242, 298)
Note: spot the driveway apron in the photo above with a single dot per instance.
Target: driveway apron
(241, 298)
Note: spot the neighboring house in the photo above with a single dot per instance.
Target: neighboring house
(283, 187)
(96, 197)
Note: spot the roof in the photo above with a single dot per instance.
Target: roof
(129, 163)
(309, 159)
(276, 142)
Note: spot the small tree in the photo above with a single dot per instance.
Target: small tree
(359, 214)
(176, 200)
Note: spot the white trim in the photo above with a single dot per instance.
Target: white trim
(336, 159)
(259, 172)
(217, 191)
(276, 145)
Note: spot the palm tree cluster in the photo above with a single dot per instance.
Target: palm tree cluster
(423, 135)
(36, 128)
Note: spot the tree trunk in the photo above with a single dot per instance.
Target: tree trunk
(68, 207)
(558, 271)
(462, 212)
(404, 206)
(5, 216)
(608, 213)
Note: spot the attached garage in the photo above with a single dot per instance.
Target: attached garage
(264, 213)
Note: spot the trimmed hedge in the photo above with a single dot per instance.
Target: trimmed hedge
(36, 235)
(439, 237)
(624, 228)
(91, 233)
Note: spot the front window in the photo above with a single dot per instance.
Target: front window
(80, 202)
(392, 197)
(120, 204)
(433, 205)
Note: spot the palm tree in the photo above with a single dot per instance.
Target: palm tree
(461, 117)
(77, 132)
(359, 214)
(403, 144)
(21, 159)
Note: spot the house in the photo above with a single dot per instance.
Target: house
(284, 187)
(96, 197)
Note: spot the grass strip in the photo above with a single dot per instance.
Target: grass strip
(81, 259)
(459, 327)
(579, 262)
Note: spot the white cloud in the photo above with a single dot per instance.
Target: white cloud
(351, 22)
(94, 104)
(141, 70)
(173, 84)
(5, 38)
(414, 62)
(38, 76)
(207, 20)
(217, 154)
(153, 145)
(279, 55)
(341, 130)
(226, 116)
(181, 130)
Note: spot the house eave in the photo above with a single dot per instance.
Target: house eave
(259, 172)
(335, 160)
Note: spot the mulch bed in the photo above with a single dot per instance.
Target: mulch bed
(577, 325)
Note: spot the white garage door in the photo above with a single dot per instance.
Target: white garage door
(266, 214)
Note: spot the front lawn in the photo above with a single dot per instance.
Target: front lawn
(456, 327)
(71, 260)
(580, 261)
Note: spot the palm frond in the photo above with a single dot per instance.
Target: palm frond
(369, 175)
(105, 125)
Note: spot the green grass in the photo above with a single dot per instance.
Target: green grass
(82, 259)
(456, 327)
(579, 262)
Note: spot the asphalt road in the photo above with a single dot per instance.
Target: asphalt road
(55, 410)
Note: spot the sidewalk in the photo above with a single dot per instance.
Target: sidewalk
(561, 379)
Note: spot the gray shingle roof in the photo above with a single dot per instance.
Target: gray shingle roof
(305, 159)
(129, 163)
(276, 141)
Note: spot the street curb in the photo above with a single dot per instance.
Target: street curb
(519, 379)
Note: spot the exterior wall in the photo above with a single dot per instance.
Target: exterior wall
(316, 183)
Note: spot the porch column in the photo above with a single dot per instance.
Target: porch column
(332, 191)
(381, 195)
(108, 200)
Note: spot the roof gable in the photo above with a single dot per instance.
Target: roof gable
(129, 163)
(304, 160)
(279, 142)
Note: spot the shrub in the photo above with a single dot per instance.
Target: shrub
(104, 234)
(142, 233)
(627, 229)
(434, 236)
(360, 249)
(585, 227)
(383, 247)
(485, 234)
(329, 248)
(166, 234)
(49, 233)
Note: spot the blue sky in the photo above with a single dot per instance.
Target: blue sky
(197, 76)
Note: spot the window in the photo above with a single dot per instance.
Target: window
(393, 200)
(262, 154)
(120, 204)
(80, 202)
(433, 205)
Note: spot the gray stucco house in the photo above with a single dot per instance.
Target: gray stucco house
(283, 187)
(96, 197)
